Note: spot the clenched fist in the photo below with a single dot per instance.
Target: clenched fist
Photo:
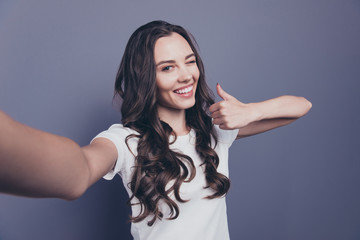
(231, 113)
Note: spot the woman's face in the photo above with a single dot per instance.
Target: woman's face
(177, 73)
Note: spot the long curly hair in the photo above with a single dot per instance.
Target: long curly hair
(156, 165)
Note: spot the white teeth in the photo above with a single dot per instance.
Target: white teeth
(184, 90)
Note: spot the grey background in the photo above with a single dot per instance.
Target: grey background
(58, 61)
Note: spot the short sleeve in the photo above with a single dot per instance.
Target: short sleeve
(117, 135)
(226, 136)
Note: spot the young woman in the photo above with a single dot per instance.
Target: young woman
(171, 149)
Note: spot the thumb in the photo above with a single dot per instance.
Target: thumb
(224, 95)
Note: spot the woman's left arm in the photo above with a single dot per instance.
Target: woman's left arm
(254, 118)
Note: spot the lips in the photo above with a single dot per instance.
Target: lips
(184, 90)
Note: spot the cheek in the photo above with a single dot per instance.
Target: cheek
(196, 73)
(163, 87)
(165, 84)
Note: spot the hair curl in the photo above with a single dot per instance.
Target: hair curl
(156, 165)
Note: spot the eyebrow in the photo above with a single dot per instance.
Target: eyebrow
(173, 61)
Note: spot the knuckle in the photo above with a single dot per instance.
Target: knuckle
(222, 112)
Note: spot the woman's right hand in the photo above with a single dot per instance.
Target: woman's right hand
(35, 163)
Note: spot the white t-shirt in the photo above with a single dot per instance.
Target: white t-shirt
(199, 218)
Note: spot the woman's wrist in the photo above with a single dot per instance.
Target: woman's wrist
(257, 111)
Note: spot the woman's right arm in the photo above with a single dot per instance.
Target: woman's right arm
(34, 163)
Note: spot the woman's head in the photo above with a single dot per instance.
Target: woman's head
(136, 79)
(177, 74)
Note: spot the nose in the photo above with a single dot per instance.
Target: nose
(185, 75)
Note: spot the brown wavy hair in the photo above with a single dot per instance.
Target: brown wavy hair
(156, 165)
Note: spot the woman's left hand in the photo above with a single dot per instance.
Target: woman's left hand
(231, 113)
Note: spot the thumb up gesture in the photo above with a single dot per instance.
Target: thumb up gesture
(230, 113)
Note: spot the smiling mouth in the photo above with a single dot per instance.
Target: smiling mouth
(184, 90)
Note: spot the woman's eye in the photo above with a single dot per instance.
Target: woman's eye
(191, 62)
(167, 68)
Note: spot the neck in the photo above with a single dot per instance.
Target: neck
(175, 118)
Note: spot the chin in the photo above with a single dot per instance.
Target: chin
(190, 105)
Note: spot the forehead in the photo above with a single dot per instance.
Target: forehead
(171, 47)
